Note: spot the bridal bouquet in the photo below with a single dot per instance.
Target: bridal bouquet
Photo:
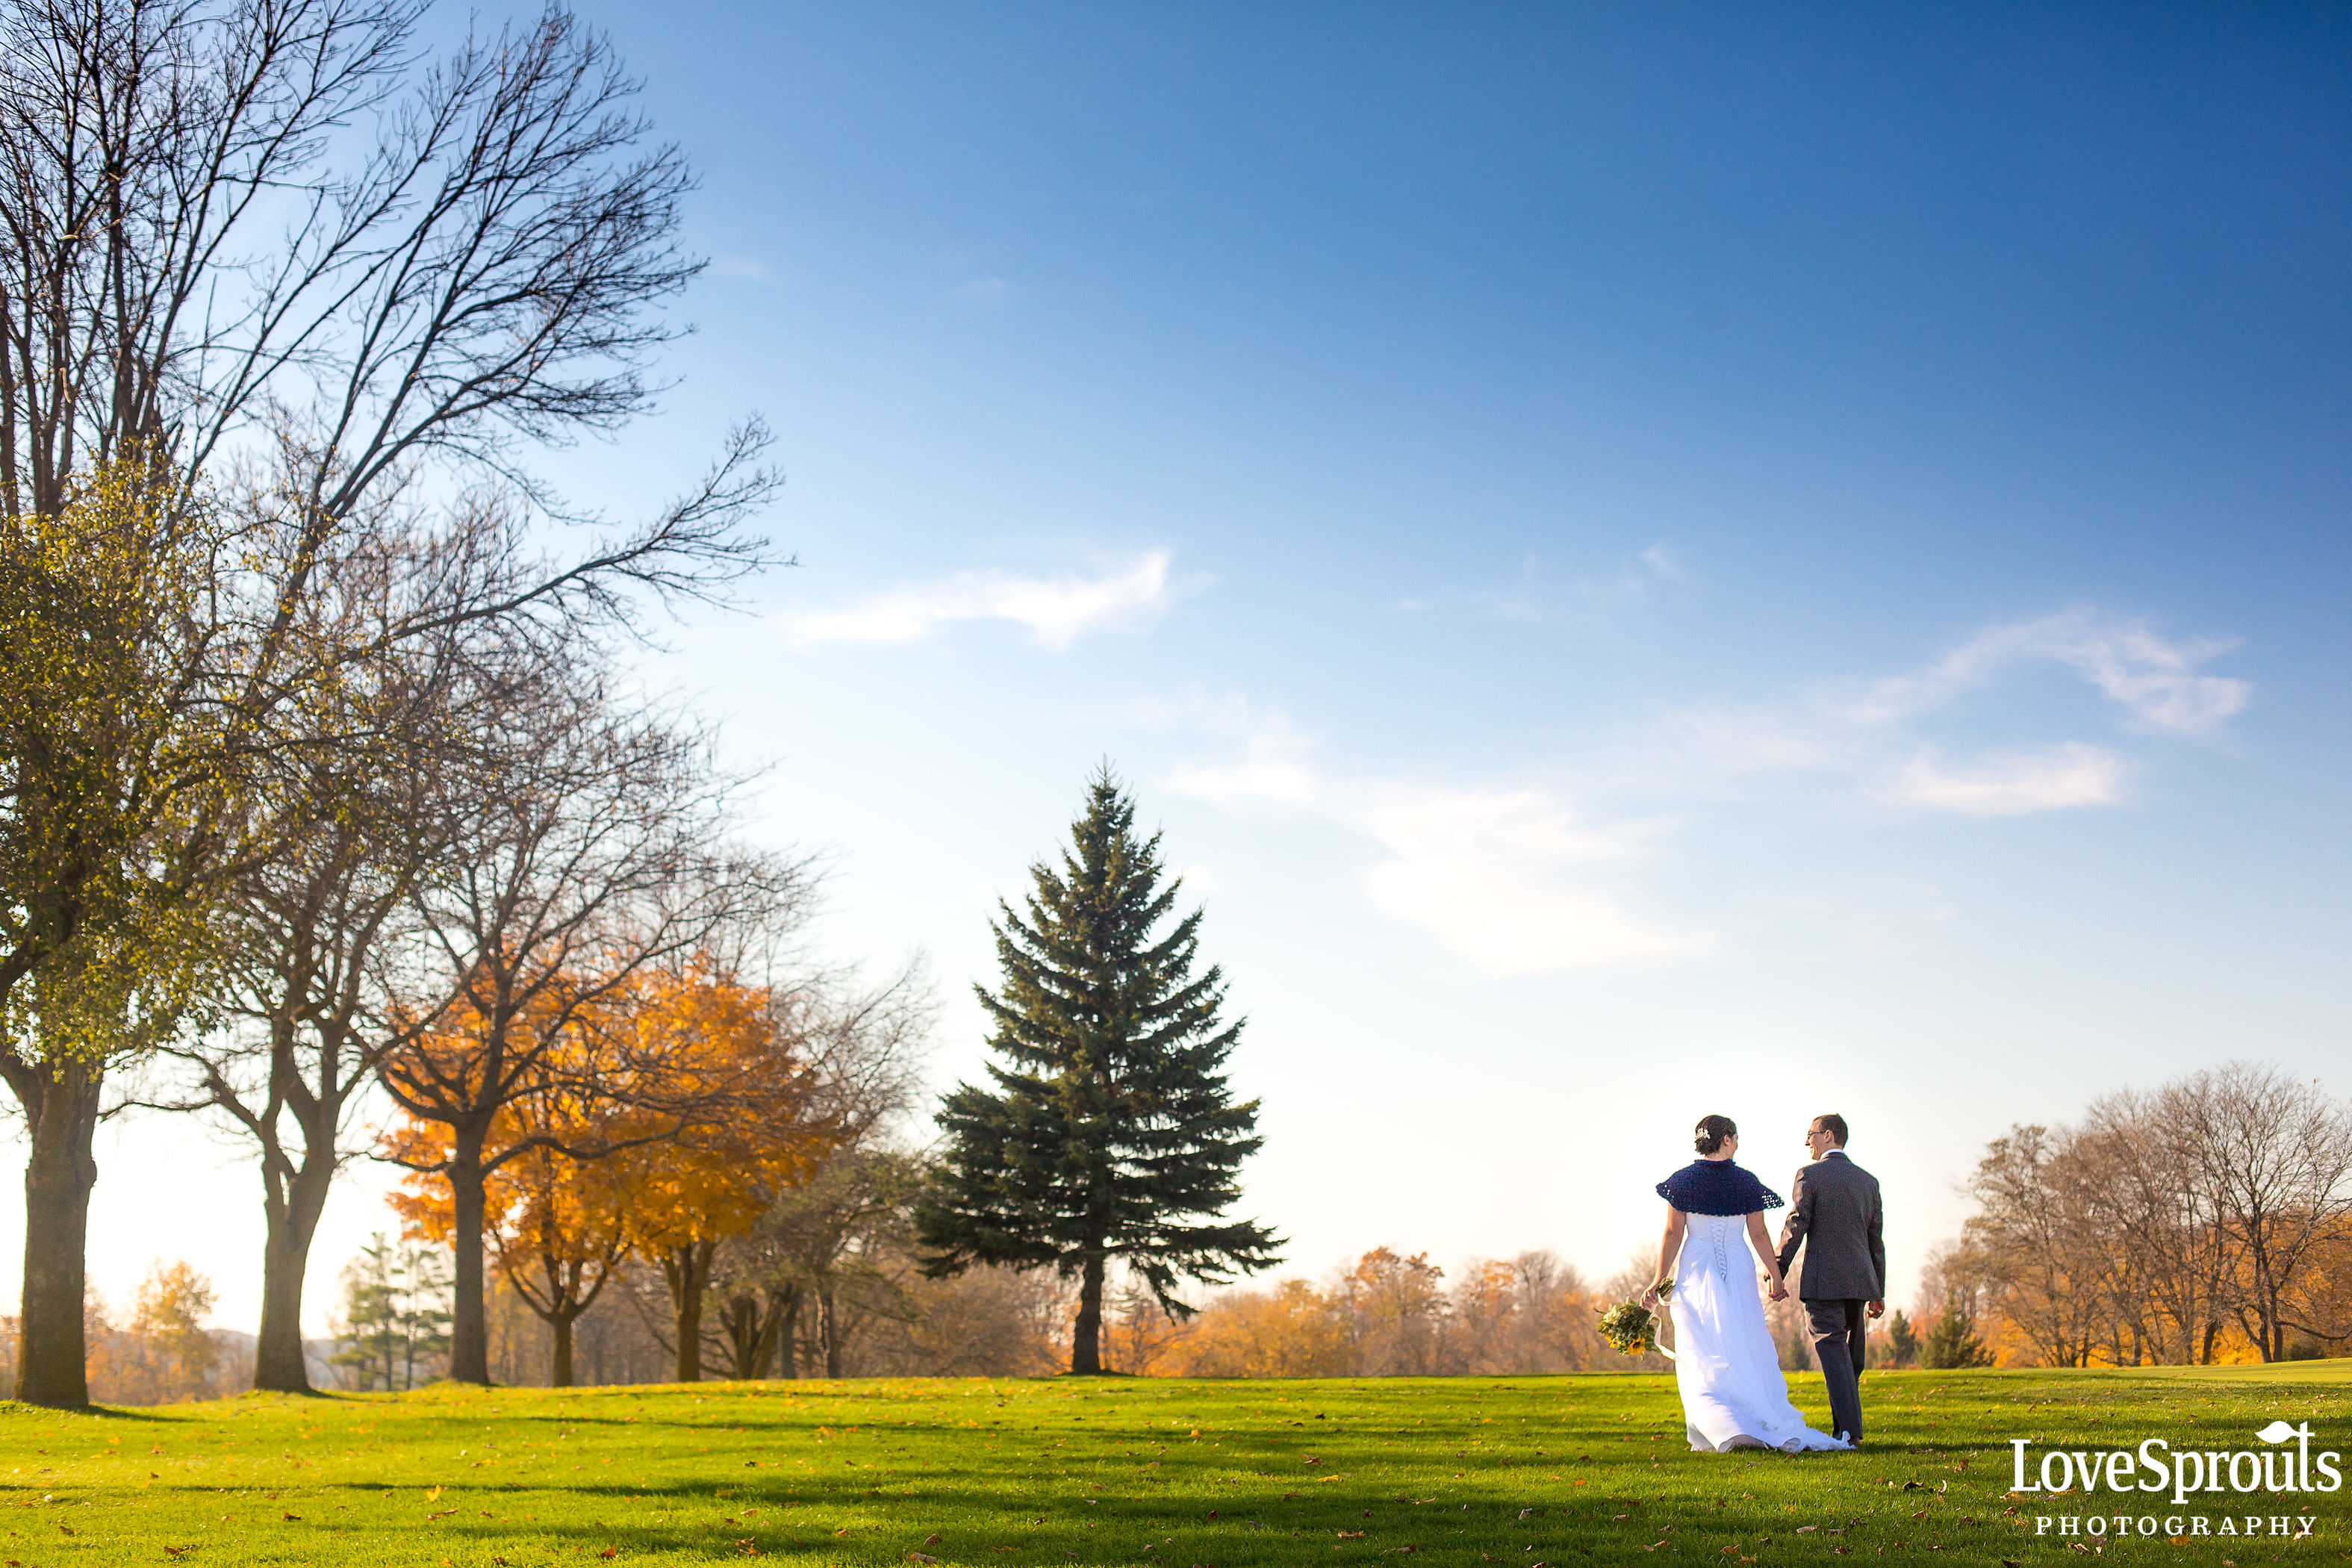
(1629, 1328)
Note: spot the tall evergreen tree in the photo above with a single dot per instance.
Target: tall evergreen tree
(1110, 1133)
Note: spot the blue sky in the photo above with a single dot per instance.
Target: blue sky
(1649, 560)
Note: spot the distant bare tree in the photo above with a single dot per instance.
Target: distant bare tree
(2276, 1152)
(2040, 1238)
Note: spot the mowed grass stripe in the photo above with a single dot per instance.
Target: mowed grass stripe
(1115, 1470)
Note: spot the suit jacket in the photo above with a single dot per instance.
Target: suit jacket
(1834, 1213)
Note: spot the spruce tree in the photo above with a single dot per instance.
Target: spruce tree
(1952, 1342)
(1108, 1132)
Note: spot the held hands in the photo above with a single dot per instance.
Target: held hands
(1778, 1292)
(1876, 1308)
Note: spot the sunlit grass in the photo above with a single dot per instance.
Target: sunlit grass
(1523, 1470)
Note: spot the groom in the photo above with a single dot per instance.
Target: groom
(1833, 1213)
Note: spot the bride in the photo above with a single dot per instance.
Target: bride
(1733, 1394)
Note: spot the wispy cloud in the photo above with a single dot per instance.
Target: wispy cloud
(2012, 783)
(981, 290)
(1539, 595)
(750, 267)
(1505, 877)
(1873, 731)
(1058, 611)
(2157, 678)
(1502, 877)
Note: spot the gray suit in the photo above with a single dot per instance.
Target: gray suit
(1834, 1214)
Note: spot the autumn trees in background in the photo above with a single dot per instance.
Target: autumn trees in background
(689, 1119)
(1395, 1315)
(2207, 1220)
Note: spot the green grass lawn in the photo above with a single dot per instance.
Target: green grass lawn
(1527, 1470)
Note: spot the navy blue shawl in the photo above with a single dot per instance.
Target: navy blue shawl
(1719, 1187)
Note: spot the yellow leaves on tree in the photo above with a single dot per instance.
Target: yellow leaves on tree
(165, 1353)
(662, 1118)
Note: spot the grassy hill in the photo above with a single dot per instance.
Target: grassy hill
(1527, 1470)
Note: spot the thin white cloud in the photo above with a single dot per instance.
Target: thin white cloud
(1538, 596)
(2156, 678)
(1518, 880)
(1499, 877)
(1661, 559)
(1503, 877)
(2013, 784)
(750, 267)
(1872, 731)
(1058, 611)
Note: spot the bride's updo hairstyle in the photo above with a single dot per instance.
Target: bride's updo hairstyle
(1708, 1136)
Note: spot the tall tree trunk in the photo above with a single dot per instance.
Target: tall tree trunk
(290, 1221)
(566, 1304)
(788, 1334)
(60, 1106)
(687, 1271)
(751, 1325)
(1086, 1340)
(469, 1334)
(740, 1322)
(771, 1329)
(829, 1326)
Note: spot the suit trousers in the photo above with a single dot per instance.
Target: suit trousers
(1838, 1329)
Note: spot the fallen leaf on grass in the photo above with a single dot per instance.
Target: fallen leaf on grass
(933, 1539)
(433, 1494)
(293, 1518)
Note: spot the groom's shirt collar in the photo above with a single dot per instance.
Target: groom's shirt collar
(1834, 1154)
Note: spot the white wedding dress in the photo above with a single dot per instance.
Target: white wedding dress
(1724, 1361)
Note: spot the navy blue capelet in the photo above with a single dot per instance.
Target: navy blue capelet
(1718, 1188)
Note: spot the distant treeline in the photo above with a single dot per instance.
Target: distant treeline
(2208, 1220)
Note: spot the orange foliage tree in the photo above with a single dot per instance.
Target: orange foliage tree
(555, 1202)
(664, 1119)
(761, 1132)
